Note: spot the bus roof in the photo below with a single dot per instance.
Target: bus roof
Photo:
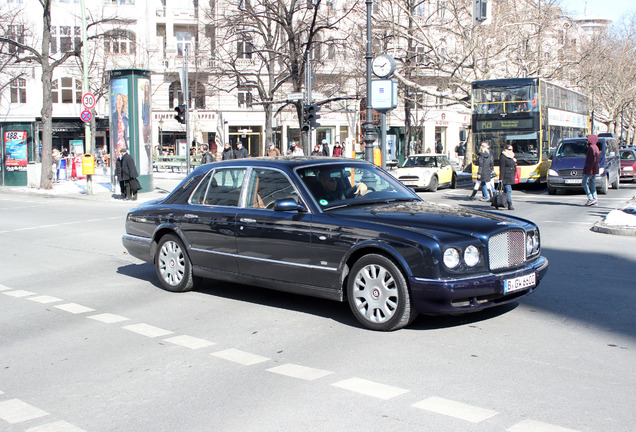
(505, 82)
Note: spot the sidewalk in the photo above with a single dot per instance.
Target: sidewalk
(163, 182)
(620, 221)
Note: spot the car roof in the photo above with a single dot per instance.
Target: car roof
(290, 162)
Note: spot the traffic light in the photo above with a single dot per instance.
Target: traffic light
(180, 116)
(310, 117)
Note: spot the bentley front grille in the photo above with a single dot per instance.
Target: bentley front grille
(507, 249)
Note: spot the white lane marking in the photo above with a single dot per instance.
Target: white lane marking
(147, 330)
(301, 372)
(15, 411)
(61, 224)
(74, 308)
(45, 299)
(58, 426)
(536, 426)
(189, 342)
(455, 409)
(4, 288)
(18, 293)
(107, 318)
(241, 357)
(370, 388)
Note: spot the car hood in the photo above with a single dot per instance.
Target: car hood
(412, 170)
(433, 218)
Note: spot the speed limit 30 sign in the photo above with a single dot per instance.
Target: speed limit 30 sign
(88, 100)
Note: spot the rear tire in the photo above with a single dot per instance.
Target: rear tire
(173, 265)
(378, 294)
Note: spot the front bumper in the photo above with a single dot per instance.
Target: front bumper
(442, 296)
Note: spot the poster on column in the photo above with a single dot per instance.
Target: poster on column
(145, 128)
(16, 150)
(119, 114)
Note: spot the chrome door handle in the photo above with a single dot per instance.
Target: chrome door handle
(247, 220)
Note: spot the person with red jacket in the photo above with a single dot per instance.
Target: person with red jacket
(591, 169)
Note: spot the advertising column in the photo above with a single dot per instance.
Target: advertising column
(130, 122)
(14, 157)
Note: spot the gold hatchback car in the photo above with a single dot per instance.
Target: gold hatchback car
(427, 172)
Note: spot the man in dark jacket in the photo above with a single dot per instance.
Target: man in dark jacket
(240, 152)
(507, 172)
(126, 171)
(484, 173)
(206, 157)
(591, 169)
(228, 153)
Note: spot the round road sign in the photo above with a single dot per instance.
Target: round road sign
(88, 100)
(86, 115)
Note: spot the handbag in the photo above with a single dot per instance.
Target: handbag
(499, 198)
(135, 186)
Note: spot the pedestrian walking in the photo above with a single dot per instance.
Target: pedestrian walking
(317, 151)
(240, 152)
(439, 148)
(206, 157)
(507, 172)
(484, 173)
(127, 175)
(337, 150)
(272, 151)
(228, 153)
(461, 152)
(591, 169)
(325, 148)
(296, 150)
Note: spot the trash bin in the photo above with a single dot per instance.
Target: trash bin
(88, 164)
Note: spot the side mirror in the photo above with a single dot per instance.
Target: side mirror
(288, 204)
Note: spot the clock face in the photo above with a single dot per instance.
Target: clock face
(383, 65)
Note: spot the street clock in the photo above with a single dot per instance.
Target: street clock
(383, 66)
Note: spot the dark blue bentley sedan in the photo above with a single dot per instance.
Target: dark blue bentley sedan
(339, 229)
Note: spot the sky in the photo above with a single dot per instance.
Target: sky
(612, 9)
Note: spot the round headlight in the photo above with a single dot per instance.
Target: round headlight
(471, 256)
(451, 258)
(535, 242)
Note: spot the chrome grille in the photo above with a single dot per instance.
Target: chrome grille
(507, 249)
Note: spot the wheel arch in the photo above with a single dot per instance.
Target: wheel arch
(162, 231)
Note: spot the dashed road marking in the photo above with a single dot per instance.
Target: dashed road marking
(189, 342)
(241, 357)
(301, 372)
(147, 330)
(16, 411)
(44, 299)
(58, 426)
(536, 426)
(370, 388)
(4, 288)
(107, 318)
(18, 293)
(455, 409)
(74, 308)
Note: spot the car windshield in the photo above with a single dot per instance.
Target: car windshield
(628, 155)
(342, 185)
(420, 161)
(572, 149)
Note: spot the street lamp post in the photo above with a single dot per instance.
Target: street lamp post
(161, 134)
(368, 129)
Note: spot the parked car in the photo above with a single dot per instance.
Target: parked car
(628, 164)
(566, 171)
(427, 171)
(338, 229)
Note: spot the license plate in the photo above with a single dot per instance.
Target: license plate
(519, 283)
(574, 181)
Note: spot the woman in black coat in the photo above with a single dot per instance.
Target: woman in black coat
(507, 172)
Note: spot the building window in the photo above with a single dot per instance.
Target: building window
(16, 33)
(65, 38)
(66, 90)
(244, 48)
(210, 33)
(18, 91)
(119, 42)
(244, 98)
(184, 41)
(124, 2)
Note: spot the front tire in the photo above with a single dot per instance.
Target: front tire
(434, 184)
(616, 184)
(173, 265)
(378, 294)
(604, 186)
(453, 184)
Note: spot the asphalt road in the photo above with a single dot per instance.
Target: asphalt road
(88, 341)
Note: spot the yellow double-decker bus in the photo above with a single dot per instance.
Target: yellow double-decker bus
(531, 114)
